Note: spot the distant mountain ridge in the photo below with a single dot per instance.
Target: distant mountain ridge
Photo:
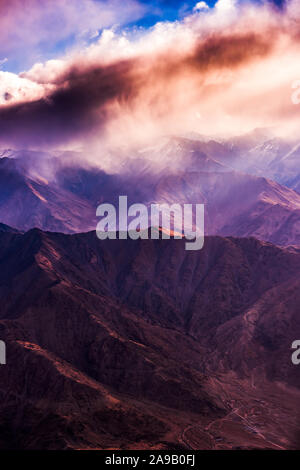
(6, 228)
(237, 203)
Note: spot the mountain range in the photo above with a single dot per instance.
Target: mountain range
(237, 203)
(140, 344)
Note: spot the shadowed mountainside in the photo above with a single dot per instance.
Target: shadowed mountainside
(124, 344)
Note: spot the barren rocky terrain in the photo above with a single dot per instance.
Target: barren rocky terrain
(149, 346)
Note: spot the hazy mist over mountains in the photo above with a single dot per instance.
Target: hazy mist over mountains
(61, 191)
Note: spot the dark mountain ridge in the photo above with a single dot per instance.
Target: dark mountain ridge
(123, 343)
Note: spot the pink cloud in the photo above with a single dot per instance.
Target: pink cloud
(228, 76)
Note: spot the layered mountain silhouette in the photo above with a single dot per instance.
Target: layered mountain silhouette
(237, 203)
(141, 344)
(123, 344)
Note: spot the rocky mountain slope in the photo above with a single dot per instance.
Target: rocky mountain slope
(26, 202)
(124, 344)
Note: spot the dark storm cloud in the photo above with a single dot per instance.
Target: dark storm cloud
(75, 107)
(80, 102)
